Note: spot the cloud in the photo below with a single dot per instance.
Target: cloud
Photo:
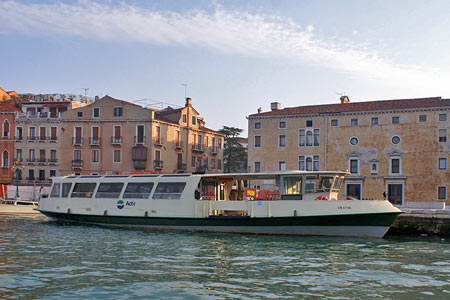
(231, 32)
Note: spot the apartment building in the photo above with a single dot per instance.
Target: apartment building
(37, 138)
(111, 136)
(397, 147)
(8, 110)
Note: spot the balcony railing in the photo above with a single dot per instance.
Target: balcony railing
(94, 141)
(41, 160)
(181, 166)
(42, 115)
(77, 163)
(139, 140)
(140, 164)
(52, 139)
(52, 160)
(18, 138)
(178, 145)
(158, 141)
(31, 160)
(77, 141)
(31, 178)
(214, 150)
(157, 164)
(42, 138)
(116, 140)
(198, 148)
(20, 159)
(31, 138)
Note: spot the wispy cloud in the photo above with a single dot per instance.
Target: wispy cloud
(223, 30)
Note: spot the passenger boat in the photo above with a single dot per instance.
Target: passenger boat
(289, 202)
(21, 207)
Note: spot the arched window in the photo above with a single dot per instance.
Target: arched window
(6, 128)
(308, 164)
(5, 159)
(309, 138)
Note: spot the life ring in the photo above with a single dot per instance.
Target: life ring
(322, 198)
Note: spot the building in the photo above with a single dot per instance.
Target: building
(397, 147)
(7, 95)
(111, 136)
(8, 110)
(38, 138)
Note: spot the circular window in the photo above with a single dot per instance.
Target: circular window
(354, 141)
(395, 139)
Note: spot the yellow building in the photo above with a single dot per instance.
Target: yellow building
(114, 136)
(397, 148)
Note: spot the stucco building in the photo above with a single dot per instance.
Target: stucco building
(111, 136)
(8, 110)
(400, 147)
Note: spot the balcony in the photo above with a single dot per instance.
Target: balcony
(181, 167)
(18, 138)
(77, 141)
(41, 161)
(139, 140)
(140, 164)
(158, 164)
(198, 148)
(158, 141)
(77, 163)
(52, 139)
(42, 138)
(31, 161)
(18, 159)
(52, 161)
(94, 141)
(178, 145)
(214, 150)
(31, 178)
(116, 140)
(31, 138)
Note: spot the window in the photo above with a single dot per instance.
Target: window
(354, 122)
(354, 166)
(442, 117)
(109, 190)
(257, 141)
(30, 174)
(194, 120)
(374, 121)
(32, 133)
(118, 111)
(396, 120)
(19, 133)
(354, 141)
(282, 165)
(257, 166)
(52, 156)
(309, 137)
(316, 163)
(77, 154)
(138, 190)
(80, 114)
(301, 163)
(66, 189)
(282, 125)
(442, 135)
(316, 137)
(19, 156)
(53, 133)
(83, 190)
(301, 137)
(5, 159)
(95, 156)
(193, 161)
(96, 112)
(52, 173)
(78, 135)
(395, 166)
(282, 141)
(31, 155)
(395, 140)
(56, 190)
(309, 163)
(258, 125)
(184, 118)
(169, 190)
(6, 128)
(442, 163)
(374, 167)
(309, 123)
(422, 118)
(334, 122)
(442, 193)
(213, 163)
(116, 155)
(219, 164)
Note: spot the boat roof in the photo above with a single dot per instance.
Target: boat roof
(259, 175)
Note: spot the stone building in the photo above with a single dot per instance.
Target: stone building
(111, 136)
(8, 110)
(400, 147)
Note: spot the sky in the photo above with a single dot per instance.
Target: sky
(233, 56)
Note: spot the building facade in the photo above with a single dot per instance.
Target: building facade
(112, 136)
(397, 148)
(8, 110)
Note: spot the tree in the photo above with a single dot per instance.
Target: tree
(234, 154)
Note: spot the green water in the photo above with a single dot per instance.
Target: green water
(42, 259)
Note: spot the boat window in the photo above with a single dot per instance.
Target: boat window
(90, 176)
(116, 176)
(55, 190)
(109, 190)
(66, 189)
(169, 190)
(138, 190)
(292, 185)
(145, 176)
(83, 190)
(337, 184)
(325, 184)
(310, 184)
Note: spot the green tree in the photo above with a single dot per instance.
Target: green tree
(234, 154)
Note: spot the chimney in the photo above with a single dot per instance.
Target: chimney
(188, 102)
(275, 106)
(259, 110)
(96, 98)
(344, 99)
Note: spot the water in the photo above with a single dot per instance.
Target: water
(41, 259)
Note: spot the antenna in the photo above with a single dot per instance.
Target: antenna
(185, 86)
(341, 94)
(85, 93)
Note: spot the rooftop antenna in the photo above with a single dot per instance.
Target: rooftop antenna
(185, 86)
(85, 93)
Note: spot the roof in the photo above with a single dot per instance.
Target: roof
(359, 107)
(119, 100)
(10, 106)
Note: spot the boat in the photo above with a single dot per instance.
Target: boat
(18, 207)
(284, 203)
